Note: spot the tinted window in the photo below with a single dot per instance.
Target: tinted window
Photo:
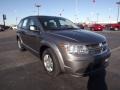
(56, 23)
(24, 25)
(49, 24)
(66, 23)
(32, 22)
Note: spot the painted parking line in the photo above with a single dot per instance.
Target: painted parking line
(115, 49)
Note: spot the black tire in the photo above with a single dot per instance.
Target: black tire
(20, 45)
(56, 66)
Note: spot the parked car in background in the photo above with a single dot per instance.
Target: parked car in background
(114, 26)
(14, 27)
(62, 46)
(96, 27)
(3, 28)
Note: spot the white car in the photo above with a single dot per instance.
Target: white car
(14, 27)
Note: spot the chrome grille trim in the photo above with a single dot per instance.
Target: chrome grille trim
(97, 48)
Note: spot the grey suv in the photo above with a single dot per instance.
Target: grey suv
(62, 46)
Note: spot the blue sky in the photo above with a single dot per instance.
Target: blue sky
(75, 10)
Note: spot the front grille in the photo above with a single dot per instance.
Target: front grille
(97, 48)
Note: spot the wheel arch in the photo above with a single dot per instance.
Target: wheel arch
(54, 47)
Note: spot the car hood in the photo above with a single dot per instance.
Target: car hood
(81, 36)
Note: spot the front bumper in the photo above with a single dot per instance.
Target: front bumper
(85, 65)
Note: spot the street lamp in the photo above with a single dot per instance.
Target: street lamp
(38, 6)
(61, 12)
(118, 3)
(97, 17)
(77, 11)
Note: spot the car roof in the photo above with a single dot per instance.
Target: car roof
(41, 16)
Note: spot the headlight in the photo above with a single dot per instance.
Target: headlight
(76, 49)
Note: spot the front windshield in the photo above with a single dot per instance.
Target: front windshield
(57, 23)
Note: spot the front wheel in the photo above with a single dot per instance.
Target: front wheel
(20, 45)
(50, 62)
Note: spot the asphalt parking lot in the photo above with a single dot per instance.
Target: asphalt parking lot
(23, 70)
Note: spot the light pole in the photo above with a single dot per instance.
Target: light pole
(118, 3)
(61, 12)
(109, 19)
(76, 10)
(97, 17)
(38, 6)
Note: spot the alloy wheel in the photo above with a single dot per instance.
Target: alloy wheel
(48, 63)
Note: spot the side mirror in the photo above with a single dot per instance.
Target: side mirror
(33, 28)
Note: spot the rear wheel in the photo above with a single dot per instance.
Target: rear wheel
(116, 29)
(20, 45)
(50, 62)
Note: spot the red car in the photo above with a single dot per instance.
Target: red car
(115, 26)
(96, 27)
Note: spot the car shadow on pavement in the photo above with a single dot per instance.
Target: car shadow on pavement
(97, 81)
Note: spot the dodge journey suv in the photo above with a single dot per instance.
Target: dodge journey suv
(62, 46)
